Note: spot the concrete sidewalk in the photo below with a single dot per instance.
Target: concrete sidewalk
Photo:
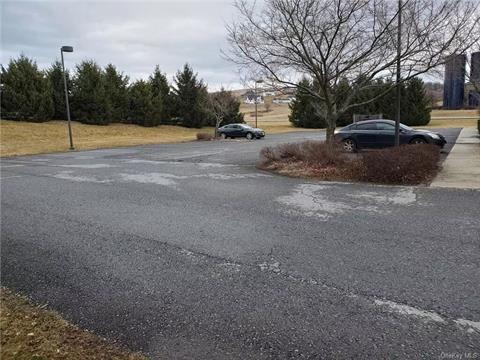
(461, 169)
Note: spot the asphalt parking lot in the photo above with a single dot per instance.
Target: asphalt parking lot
(187, 251)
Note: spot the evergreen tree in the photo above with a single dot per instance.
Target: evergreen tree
(55, 76)
(89, 101)
(141, 106)
(116, 93)
(26, 92)
(417, 103)
(414, 103)
(162, 101)
(303, 112)
(190, 98)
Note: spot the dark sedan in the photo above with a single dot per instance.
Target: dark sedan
(240, 130)
(373, 134)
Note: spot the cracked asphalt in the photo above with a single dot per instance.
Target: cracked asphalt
(187, 251)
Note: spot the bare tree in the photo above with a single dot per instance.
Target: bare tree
(222, 105)
(333, 41)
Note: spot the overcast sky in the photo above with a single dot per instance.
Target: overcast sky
(133, 35)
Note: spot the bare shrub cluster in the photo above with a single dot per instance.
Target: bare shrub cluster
(309, 158)
(205, 136)
(407, 164)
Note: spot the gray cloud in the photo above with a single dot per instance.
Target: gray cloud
(133, 35)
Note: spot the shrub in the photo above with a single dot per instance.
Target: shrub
(205, 137)
(311, 152)
(309, 158)
(407, 164)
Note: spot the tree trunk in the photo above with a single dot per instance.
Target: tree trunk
(331, 123)
(217, 125)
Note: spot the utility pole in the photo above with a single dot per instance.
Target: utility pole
(399, 94)
(256, 102)
(62, 50)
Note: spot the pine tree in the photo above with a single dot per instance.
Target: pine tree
(55, 76)
(26, 92)
(303, 112)
(141, 107)
(190, 98)
(416, 110)
(162, 101)
(89, 101)
(116, 93)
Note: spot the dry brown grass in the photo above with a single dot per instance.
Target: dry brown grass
(22, 138)
(30, 332)
(454, 113)
(278, 113)
(449, 123)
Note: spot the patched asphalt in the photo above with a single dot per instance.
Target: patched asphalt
(188, 251)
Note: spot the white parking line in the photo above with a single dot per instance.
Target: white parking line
(9, 177)
(10, 166)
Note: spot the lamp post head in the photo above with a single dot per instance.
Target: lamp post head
(66, 49)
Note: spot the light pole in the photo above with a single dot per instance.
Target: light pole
(399, 90)
(256, 102)
(62, 50)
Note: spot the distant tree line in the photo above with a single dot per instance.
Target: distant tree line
(102, 96)
(415, 109)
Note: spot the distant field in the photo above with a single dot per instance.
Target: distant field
(279, 115)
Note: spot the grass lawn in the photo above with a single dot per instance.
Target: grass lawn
(23, 138)
(30, 332)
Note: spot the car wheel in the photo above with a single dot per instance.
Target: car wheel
(349, 145)
(249, 136)
(223, 136)
(418, 140)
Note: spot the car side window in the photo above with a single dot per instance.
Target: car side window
(385, 126)
(369, 126)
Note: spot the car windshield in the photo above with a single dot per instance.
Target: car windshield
(405, 127)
